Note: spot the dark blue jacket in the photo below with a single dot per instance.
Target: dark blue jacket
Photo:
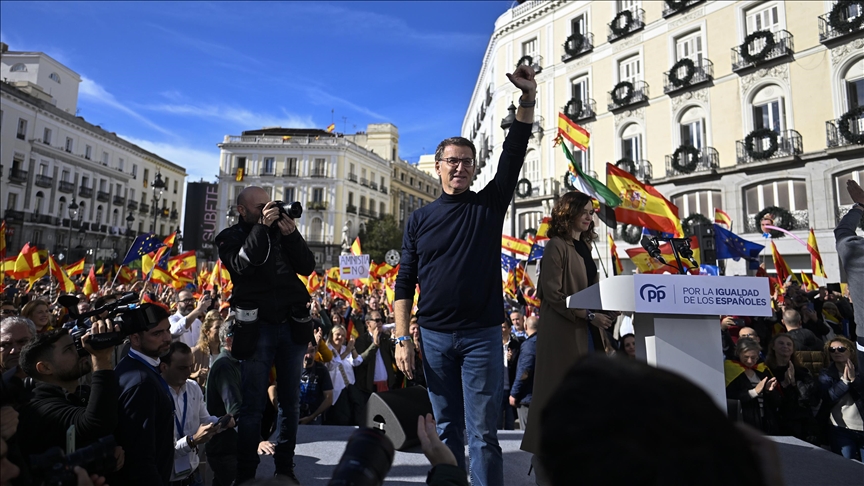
(145, 427)
(523, 387)
(833, 389)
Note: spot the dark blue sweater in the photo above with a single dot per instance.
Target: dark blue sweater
(452, 248)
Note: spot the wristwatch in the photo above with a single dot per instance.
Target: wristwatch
(590, 316)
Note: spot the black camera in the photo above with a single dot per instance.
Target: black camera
(293, 210)
(124, 312)
(366, 460)
(54, 468)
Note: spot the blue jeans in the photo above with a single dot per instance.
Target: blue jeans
(463, 373)
(847, 442)
(274, 346)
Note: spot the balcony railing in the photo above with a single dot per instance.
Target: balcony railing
(144, 208)
(802, 221)
(845, 13)
(373, 186)
(638, 94)
(267, 172)
(372, 213)
(174, 215)
(364, 182)
(318, 173)
(383, 189)
(132, 205)
(671, 8)
(290, 172)
(351, 209)
(317, 205)
(835, 136)
(352, 177)
(573, 48)
(84, 191)
(789, 143)
(620, 27)
(119, 200)
(533, 60)
(66, 187)
(707, 160)
(17, 175)
(364, 212)
(12, 215)
(783, 46)
(642, 169)
(685, 77)
(103, 196)
(577, 109)
(44, 181)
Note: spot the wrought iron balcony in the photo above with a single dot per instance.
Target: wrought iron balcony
(364, 212)
(66, 187)
(642, 169)
(84, 191)
(12, 215)
(789, 143)
(844, 13)
(638, 94)
(685, 77)
(17, 175)
(364, 182)
(620, 27)
(317, 205)
(835, 136)
(535, 61)
(44, 181)
(290, 172)
(707, 160)
(672, 7)
(372, 213)
(351, 209)
(132, 205)
(318, 173)
(577, 109)
(383, 189)
(373, 185)
(266, 173)
(119, 200)
(174, 215)
(144, 208)
(352, 177)
(783, 46)
(102, 196)
(574, 49)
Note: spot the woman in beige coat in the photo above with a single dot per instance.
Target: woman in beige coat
(563, 337)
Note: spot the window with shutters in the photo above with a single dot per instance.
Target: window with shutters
(631, 142)
(689, 46)
(702, 202)
(764, 17)
(630, 69)
(790, 194)
(46, 136)
(529, 48)
(769, 110)
(692, 127)
(630, 5)
(579, 88)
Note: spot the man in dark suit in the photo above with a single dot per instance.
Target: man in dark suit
(376, 372)
(145, 429)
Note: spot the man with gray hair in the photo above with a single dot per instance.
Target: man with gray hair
(15, 332)
(804, 339)
(850, 249)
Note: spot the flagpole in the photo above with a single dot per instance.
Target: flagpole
(115, 276)
(600, 258)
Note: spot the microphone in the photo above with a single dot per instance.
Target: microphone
(652, 249)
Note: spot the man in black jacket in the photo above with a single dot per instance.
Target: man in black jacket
(58, 402)
(146, 423)
(523, 385)
(264, 252)
(375, 374)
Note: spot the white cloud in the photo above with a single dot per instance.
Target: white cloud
(199, 164)
(320, 97)
(243, 118)
(91, 90)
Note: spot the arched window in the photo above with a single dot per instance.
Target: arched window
(40, 201)
(18, 68)
(316, 233)
(790, 194)
(98, 214)
(382, 210)
(691, 125)
(61, 206)
(769, 109)
(843, 198)
(528, 223)
(631, 142)
(81, 210)
(853, 83)
(362, 203)
(702, 202)
(531, 167)
(54, 77)
(115, 218)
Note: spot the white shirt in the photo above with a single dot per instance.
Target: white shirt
(347, 364)
(380, 368)
(196, 415)
(154, 362)
(179, 331)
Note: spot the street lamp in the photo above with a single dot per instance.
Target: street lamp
(506, 123)
(129, 220)
(73, 214)
(158, 188)
(179, 239)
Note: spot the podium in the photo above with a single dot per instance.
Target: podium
(677, 318)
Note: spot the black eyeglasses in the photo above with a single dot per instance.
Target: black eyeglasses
(455, 161)
(838, 349)
(188, 301)
(9, 312)
(375, 320)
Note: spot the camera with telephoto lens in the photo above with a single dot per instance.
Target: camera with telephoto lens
(54, 468)
(125, 312)
(366, 460)
(293, 210)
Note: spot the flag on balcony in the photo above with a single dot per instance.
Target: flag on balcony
(331, 127)
(815, 257)
(90, 284)
(239, 177)
(66, 284)
(617, 268)
(520, 247)
(723, 219)
(642, 204)
(783, 270)
(143, 245)
(355, 247)
(643, 261)
(578, 136)
(76, 268)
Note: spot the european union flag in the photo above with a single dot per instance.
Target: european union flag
(508, 263)
(730, 245)
(536, 252)
(143, 245)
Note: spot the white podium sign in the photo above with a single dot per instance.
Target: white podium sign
(702, 295)
(353, 266)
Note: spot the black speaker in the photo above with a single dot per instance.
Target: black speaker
(707, 248)
(395, 413)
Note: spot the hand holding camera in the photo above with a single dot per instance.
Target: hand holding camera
(101, 358)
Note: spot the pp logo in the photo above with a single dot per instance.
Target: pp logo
(651, 292)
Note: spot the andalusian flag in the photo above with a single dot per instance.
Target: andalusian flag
(723, 219)
(780, 265)
(578, 136)
(589, 185)
(90, 284)
(355, 247)
(617, 268)
(815, 257)
(520, 247)
(643, 261)
(642, 204)
(66, 284)
(76, 268)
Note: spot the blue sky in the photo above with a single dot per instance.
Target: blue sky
(175, 77)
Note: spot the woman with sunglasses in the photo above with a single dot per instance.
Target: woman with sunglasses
(842, 390)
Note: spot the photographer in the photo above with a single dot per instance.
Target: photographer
(58, 402)
(264, 252)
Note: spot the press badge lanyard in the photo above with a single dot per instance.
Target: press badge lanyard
(179, 423)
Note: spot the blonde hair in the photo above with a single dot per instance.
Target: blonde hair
(204, 338)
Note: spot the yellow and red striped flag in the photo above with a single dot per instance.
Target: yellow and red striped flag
(313, 282)
(815, 257)
(331, 127)
(515, 245)
(239, 177)
(91, 286)
(2, 251)
(642, 204)
(340, 290)
(780, 265)
(808, 283)
(66, 284)
(578, 136)
(617, 268)
(355, 247)
(101, 269)
(643, 261)
(723, 219)
(76, 268)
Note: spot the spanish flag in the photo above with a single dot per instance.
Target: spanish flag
(331, 127)
(815, 257)
(780, 265)
(643, 261)
(355, 247)
(340, 290)
(642, 204)
(101, 270)
(90, 284)
(313, 283)
(520, 247)
(66, 284)
(28, 259)
(617, 268)
(578, 136)
(76, 268)
(126, 275)
(808, 283)
(239, 177)
(723, 219)
(544, 228)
